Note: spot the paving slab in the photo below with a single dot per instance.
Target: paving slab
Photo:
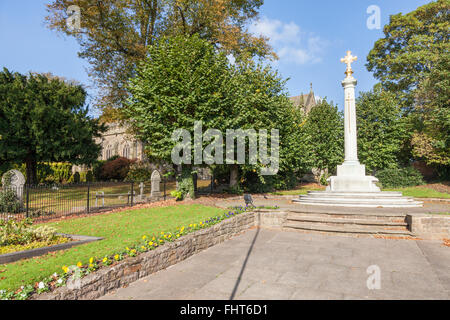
(266, 264)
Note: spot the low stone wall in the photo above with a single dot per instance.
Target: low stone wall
(129, 270)
(429, 226)
(271, 219)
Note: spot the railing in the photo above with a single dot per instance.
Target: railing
(43, 202)
(49, 202)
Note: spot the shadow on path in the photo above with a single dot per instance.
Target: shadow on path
(233, 293)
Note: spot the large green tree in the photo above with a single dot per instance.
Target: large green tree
(412, 45)
(43, 118)
(323, 131)
(185, 79)
(381, 129)
(114, 35)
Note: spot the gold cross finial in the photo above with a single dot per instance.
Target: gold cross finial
(348, 60)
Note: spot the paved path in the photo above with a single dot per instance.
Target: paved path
(273, 265)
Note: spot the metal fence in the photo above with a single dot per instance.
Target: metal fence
(43, 202)
(48, 202)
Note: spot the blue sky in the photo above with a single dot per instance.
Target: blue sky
(309, 36)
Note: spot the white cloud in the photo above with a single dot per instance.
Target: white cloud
(290, 43)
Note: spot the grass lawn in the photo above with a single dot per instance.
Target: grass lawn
(119, 229)
(417, 192)
(421, 192)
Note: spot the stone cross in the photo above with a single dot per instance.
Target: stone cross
(156, 180)
(349, 59)
(14, 180)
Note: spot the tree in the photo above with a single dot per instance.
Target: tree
(43, 118)
(183, 80)
(324, 133)
(115, 35)
(431, 138)
(412, 45)
(381, 129)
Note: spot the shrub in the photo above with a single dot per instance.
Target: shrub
(186, 183)
(89, 176)
(400, 177)
(75, 178)
(116, 169)
(14, 232)
(97, 168)
(139, 172)
(9, 203)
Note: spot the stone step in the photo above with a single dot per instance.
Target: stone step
(374, 230)
(357, 199)
(347, 221)
(383, 194)
(347, 213)
(360, 203)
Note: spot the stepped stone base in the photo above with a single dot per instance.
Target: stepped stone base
(370, 224)
(359, 199)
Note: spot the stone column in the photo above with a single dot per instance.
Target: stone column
(351, 175)
(351, 147)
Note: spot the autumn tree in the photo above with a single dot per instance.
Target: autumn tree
(115, 34)
(43, 118)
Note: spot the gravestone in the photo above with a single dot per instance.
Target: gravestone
(156, 180)
(141, 191)
(14, 180)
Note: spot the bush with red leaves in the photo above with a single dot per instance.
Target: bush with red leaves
(116, 169)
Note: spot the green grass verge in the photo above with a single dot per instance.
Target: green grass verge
(421, 192)
(296, 192)
(120, 230)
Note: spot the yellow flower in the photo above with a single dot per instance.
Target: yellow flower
(128, 249)
(91, 265)
(150, 243)
(105, 259)
(162, 232)
(91, 260)
(153, 238)
(182, 229)
(143, 248)
(65, 269)
(195, 225)
(160, 240)
(133, 251)
(144, 237)
(190, 225)
(165, 236)
(79, 264)
(170, 236)
(178, 235)
(117, 257)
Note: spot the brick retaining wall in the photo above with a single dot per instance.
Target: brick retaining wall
(429, 226)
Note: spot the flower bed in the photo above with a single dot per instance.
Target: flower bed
(153, 245)
(32, 245)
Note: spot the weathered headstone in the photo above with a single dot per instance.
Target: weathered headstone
(141, 191)
(14, 180)
(156, 180)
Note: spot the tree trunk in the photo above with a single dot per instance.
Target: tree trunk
(31, 171)
(234, 175)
